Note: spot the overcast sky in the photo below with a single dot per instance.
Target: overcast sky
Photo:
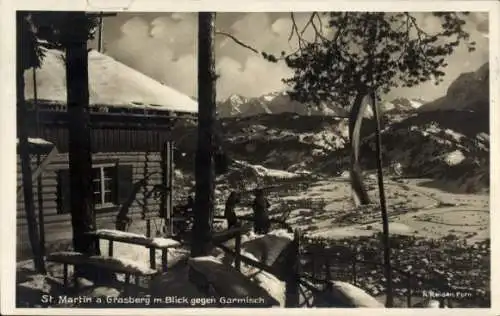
(163, 46)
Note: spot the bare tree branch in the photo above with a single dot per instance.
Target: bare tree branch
(237, 41)
(295, 30)
(294, 26)
(320, 23)
(318, 33)
(247, 46)
(309, 22)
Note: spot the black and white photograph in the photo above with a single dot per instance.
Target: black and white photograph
(290, 159)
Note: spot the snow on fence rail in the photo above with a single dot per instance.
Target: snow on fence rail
(125, 266)
(137, 239)
(229, 282)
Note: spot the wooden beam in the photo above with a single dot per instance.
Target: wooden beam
(41, 168)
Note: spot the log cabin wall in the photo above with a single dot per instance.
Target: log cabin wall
(123, 154)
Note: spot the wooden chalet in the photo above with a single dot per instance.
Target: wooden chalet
(131, 115)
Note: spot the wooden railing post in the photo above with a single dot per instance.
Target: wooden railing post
(167, 170)
(328, 272)
(110, 248)
(354, 261)
(292, 276)
(409, 293)
(313, 264)
(164, 259)
(237, 250)
(152, 250)
(41, 220)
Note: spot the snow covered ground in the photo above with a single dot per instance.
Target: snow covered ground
(319, 208)
(175, 282)
(410, 205)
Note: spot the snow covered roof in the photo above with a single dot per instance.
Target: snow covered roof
(36, 142)
(111, 83)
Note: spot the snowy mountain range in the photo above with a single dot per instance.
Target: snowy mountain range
(430, 140)
(280, 102)
(469, 91)
(271, 103)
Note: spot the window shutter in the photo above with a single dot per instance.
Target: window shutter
(124, 183)
(63, 192)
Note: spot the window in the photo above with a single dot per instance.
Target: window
(103, 184)
(111, 186)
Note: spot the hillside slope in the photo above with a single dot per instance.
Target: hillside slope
(470, 91)
(449, 146)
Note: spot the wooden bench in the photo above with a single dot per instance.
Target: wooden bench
(229, 283)
(137, 239)
(127, 267)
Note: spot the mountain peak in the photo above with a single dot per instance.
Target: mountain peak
(408, 103)
(236, 98)
(469, 91)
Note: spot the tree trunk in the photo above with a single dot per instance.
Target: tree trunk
(204, 164)
(373, 29)
(80, 156)
(383, 207)
(24, 148)
(355, 121)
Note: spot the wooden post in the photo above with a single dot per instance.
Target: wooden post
(328, 273)
(292, 278)
(41, 220)
(163, 194)
(237, 250)
(127, 283)
(170, 184)
(152, 252)
(164, 259)
(100, 42)
(65, 276)
(204, 164)
(110, 248)
(167, 182)
(313, 264)
(383, 207)
(373, 29)
(148, 228)
(354, 259)
(83, 218)
(408, 284)
(23, 29)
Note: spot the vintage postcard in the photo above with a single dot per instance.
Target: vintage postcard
(212, 156)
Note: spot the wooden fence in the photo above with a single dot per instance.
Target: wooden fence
(320, 263)
(297, 274)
